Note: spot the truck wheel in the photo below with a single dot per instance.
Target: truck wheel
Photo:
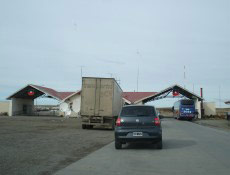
(83, 126)
(118, 145)
(159, 145)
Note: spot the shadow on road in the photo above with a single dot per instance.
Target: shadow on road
(175, 143)
(139, 146)
(167, 144)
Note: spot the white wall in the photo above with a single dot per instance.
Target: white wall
(117, 99)
(198, 108)
(140, 103)
(209, 108)
(4, 107)
(76, 106)
(16, 106)
(76, 100)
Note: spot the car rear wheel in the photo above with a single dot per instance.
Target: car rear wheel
(159, 145)
(118, 145)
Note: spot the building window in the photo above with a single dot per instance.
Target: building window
(71, 106)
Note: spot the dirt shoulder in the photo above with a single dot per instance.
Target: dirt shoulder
(215, 123)
(43, 145)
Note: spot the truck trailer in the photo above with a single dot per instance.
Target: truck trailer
(101, 102)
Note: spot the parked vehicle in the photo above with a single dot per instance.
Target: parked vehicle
(101, 102)
(184, 109)
(138, 123)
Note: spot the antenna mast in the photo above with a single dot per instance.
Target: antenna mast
(138, 53)
(184, 76)
(137, 77)
(219, 97)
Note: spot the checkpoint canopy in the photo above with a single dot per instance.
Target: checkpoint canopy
(172, 92)
(137, 98)
(22, 101)
(176, 90)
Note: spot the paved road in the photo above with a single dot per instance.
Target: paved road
(188, 149)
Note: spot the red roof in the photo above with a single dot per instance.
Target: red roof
(52, 92)
(136, 96)
(132, 97)
(63, 95)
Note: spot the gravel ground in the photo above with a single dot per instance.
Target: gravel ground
(43, 145)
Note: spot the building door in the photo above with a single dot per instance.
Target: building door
(24, 109)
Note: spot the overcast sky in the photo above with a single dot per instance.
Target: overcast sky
(45, 43)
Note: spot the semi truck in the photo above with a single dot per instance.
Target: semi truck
(101, 102)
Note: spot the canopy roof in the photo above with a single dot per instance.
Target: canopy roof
(164, 93)
(39, 91)
(135, 97)
(129, 97)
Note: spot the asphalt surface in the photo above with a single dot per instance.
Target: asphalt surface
(189, 148)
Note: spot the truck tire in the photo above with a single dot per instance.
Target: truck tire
(83, 126)
(118, 145)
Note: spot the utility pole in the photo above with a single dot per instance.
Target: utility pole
(219, 97)
(138, 53)
(137, 77)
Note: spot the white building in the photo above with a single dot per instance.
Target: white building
(22, 101)
(71, 105)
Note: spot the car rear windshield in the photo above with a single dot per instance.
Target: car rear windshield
(138, 111)
(187, 102)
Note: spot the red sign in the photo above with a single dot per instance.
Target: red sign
(30, 92)
(175, 93)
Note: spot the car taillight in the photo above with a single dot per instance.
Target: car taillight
(157, 121)
(118, 122)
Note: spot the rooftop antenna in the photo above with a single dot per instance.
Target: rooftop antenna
(81, 71)
(111, 75)
(118, 81)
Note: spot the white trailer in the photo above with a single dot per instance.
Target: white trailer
(101, 102)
